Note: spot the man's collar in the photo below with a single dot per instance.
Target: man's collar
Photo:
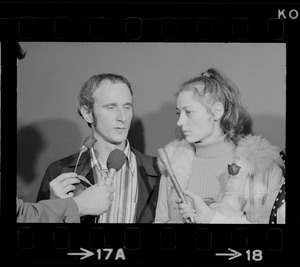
(86, 155)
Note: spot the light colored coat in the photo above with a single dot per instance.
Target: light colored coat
(253, 188)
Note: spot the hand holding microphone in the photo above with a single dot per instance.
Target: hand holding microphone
(63, 185)
(162, 154)
(201, 212)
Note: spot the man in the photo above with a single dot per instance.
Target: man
(106, 104)
(94, 201)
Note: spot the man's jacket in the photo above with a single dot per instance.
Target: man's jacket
(147, 173)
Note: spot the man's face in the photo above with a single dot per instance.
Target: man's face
(112, 113)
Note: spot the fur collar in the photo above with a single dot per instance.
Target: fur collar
(258, 154)
(181, 155)
(254, 154)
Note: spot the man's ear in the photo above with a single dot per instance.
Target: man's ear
(218, 111)
(86, 114)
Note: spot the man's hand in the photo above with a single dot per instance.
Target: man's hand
(63, 185)
(94, 200)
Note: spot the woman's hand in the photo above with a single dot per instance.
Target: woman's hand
(201, 213)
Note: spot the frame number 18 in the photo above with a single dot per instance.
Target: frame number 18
(255, 255)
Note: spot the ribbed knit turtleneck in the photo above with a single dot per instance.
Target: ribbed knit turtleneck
(213, 150)
(210, 162)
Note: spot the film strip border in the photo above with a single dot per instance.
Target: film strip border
(154, 244)
(135, 29)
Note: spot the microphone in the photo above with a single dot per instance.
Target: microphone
(114, 163)
(87, 144)
(163, 156)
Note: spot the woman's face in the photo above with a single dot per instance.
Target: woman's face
(196, 122)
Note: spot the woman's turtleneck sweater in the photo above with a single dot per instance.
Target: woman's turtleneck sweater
(210, 162)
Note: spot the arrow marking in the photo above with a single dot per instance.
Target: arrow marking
(85, 254)
(233, 255)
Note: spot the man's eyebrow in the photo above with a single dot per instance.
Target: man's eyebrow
(110, 104)
(116, 104)
(185, 107)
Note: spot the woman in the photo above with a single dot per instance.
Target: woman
(236, 174)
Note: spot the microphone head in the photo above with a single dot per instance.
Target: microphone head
(116, 159)
(89, 142)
